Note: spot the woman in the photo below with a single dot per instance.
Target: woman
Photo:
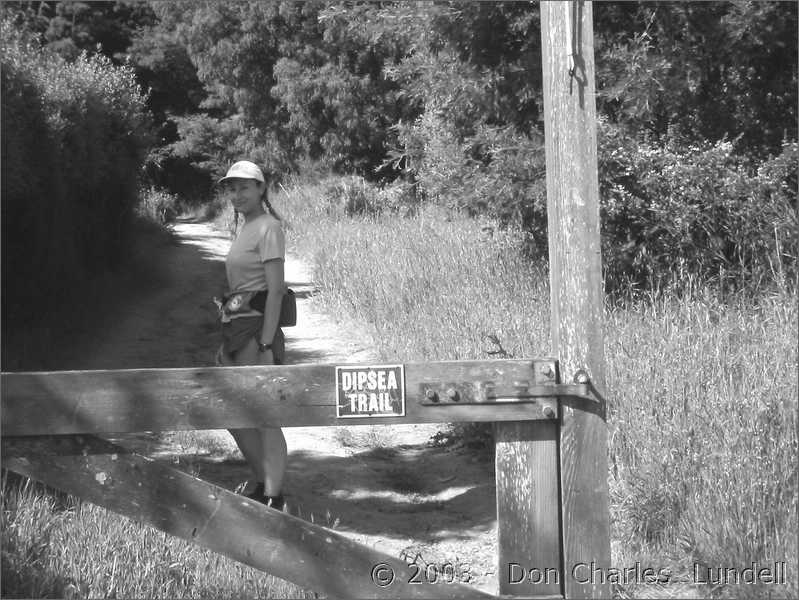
(255, 263)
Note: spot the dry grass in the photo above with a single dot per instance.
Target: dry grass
(88, 552)
(366, 437)
(703, 444)
(702, 428)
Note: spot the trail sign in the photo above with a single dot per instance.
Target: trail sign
(371, 391)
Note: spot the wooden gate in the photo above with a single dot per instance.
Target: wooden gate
(51, 422)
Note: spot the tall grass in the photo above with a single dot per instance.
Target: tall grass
(702, 424)
(433, 286)
(703, 429)
(83, 551)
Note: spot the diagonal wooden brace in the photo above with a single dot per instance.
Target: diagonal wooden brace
(142, 489)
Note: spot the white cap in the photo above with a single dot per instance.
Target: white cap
(244, 169)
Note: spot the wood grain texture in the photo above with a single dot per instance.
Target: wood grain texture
(311, 556)
(576, 294)
(528, 506)
(72, 402)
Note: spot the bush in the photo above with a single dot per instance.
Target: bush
(670, 212)
(673, 213)
(74, 138)
(159, 206)
(349, 196)
(31, 189)
(497, 172)
(179, 177)
(353, 195)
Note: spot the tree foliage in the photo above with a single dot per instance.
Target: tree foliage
(69, 28)
(448, 95)
(706, 70)
(75, 134)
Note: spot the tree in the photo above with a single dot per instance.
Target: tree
(701, 71)
(70, 27)
(165, 68)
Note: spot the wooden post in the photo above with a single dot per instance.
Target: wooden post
(576, 294)
(528, 526)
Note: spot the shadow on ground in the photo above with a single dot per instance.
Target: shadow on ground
(442, 491)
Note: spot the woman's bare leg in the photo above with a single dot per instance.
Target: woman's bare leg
(274, 455)
(250, 444)
(264, 449)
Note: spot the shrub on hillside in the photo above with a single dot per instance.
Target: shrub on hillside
(158, 205)
(74, 138)
(31, 190)
(671, 213)
(497, 172)
(353, 195)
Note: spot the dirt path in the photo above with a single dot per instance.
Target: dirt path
(384, 486)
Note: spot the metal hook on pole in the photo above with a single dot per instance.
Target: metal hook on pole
(570, 35)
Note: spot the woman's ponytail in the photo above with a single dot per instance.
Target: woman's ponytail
(268, 205)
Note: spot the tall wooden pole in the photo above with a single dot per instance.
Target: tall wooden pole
(576, 294)
(552, 494)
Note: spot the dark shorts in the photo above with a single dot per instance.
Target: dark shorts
(237, 333)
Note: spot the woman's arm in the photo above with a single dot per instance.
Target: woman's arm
(276, 285)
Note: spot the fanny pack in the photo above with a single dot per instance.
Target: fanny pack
(239, 302)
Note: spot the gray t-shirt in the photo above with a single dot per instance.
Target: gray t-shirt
(260, 240)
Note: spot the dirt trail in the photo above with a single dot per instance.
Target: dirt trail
(383, 486)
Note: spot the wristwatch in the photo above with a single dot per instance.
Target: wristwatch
(263, 347)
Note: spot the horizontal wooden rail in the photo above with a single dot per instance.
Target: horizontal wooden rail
(124, 401)
(156, 494)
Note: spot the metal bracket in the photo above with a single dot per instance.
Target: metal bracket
(489, 392)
